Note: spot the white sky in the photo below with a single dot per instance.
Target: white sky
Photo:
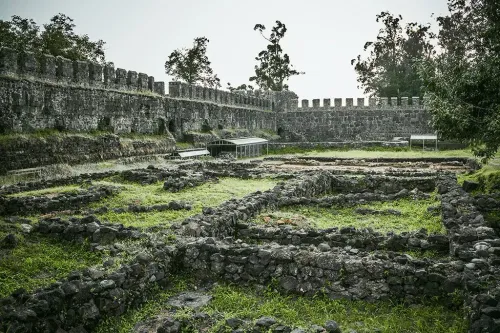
(322, 38)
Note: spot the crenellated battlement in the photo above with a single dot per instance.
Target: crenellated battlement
(80, 73)
(194, 92)
(361, 103)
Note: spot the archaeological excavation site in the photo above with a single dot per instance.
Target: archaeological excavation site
(129, 206)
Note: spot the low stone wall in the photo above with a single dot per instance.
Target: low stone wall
(477, 246)
(89, 227)
(43, 204)
(47, 183)
(21, 152)
(223, 220)
(84, 298)
(347, 238)
(307, 271)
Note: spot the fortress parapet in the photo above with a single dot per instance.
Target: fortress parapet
(361, 104)
(183, 90)
(77, 73)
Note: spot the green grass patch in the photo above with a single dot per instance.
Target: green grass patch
(246, 303)
(414, 216)
(210, 194)
(155, 303)
(370, 152)
(393, 152)
(488, 177)
(49, 191)
(38, 262)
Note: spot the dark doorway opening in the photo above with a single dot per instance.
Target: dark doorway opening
(171, 126)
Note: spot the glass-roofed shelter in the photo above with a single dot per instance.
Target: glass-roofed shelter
(240, 147)
(189, 153)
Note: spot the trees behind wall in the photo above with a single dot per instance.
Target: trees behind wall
(192, 65)
(463, 80)
(389, 68)
(460, 75)
(274, 67)
(57, 38)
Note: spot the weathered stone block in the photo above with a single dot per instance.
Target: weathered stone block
(142, 81)
(327, 102)
(151, 83)
(95, 73)
(28, 64)
(361, 102)
(64, 69)
(8, 61)
(316, 103)
(121, 78)
(81, 72)
(305, 103)
(48, 67)
(159, 88)
(184, 90)
(384, 101)
(337, 102)
(349, 102)
(132, 80)
(174, 89)
(199, 92)
(109, 75)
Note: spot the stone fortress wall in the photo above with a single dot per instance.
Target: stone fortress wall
(54, 92)
(381, 119)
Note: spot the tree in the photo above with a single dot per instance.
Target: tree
(390, 69)
(245, 87)
(463, 80)
(57, 38)
(274, 68)
(192, 65)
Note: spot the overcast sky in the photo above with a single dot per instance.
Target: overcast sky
(322, 37)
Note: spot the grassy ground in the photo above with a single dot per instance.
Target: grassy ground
(361, 316)
(395, 154)
(207, 195)
(414, 216)
(373, 152)
(156, 302)
(488, 177)
(246, 303)
(39, 261)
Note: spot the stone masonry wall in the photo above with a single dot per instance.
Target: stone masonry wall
(47, 93)
(381, 119)
(54, 92)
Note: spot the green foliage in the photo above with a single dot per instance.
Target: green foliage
(274, 67)
(38, 262)
(56, 38)
(243, 87)
(210, 194)
(192, 65)
(488, 177)
(462, 80)
(241, 302)
(414, 216)
(389, 70)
